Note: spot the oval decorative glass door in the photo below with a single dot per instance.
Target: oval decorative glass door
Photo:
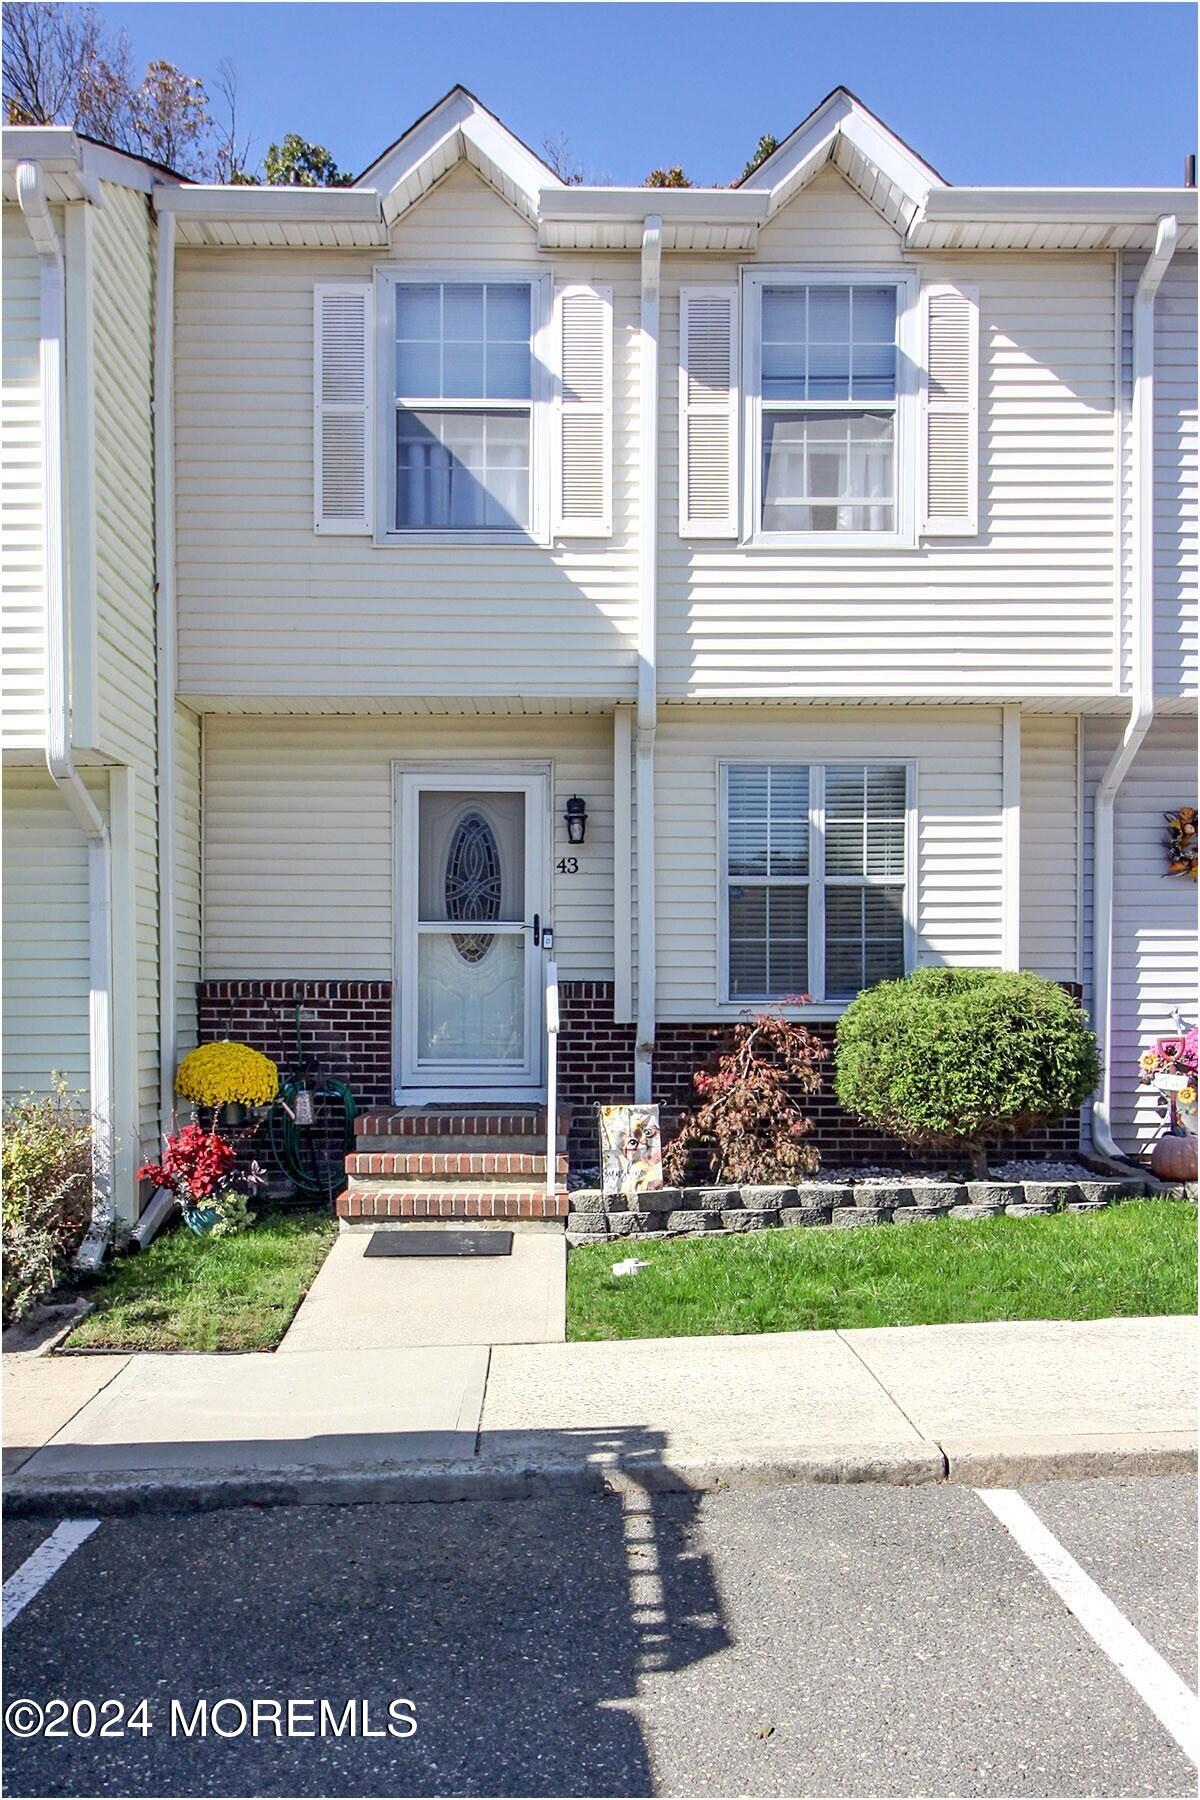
(471, 938)
(473, 884)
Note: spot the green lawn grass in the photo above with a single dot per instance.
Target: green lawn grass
(190, 1293)
(1133, 1260)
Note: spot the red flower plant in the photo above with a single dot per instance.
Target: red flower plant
(749, 1120)
(195, 1164)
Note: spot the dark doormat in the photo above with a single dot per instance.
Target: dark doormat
(440, 1243)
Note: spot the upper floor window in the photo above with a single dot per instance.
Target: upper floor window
(463, 402)
(830, 397)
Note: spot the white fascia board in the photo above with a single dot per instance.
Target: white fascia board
(711, 205)
(1018, 208)
(612, 218)
(286, 205)
(73, 165)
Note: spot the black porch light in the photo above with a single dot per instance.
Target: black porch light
(576, 819)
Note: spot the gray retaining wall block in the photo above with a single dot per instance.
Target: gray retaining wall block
(825, 1193)
(1103, 1192)
(1049, 1193)
(591, 1222)
(931, 1195)
(873, 1194)
(625, 1224)
(657, 1200)
(994, 1193)
(680, 1223)
(1031, 1209)
(917, 1215)
(712, 1199)
(805, 1215)
(973, 1210)
(768, 1199)
(575, 1238)
(738, 1218)
(862, 1215)
(1087, 1206)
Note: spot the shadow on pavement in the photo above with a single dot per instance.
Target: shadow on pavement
(520, 1630)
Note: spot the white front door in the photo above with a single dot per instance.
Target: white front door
(471, 873)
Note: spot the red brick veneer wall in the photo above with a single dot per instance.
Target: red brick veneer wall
(682, 1049)
(345, 1027)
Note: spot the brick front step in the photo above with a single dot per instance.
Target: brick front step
(451, 1203)
(436, 1165)
(521, 1143)
(441, 1122)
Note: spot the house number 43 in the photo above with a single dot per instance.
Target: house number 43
(568, 865)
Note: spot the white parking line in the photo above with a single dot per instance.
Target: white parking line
(1170, 1700)
(29, 1580)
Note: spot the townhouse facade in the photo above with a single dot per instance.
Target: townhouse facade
(530, 606)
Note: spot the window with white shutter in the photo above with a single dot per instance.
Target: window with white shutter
(816, 881)
(708, 412)
(342, 397)
(951, 446)
(583, 431)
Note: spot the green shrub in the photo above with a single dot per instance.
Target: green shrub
(46, 1195)
(955, 1057)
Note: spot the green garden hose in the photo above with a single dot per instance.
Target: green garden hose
(315, 1176)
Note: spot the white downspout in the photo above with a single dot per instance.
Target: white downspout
(647, 689)
(59, 761)
(164, 558)
(1141, 713)
(161, 1204)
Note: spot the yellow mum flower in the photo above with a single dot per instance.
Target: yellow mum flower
(1186, 1096)
(224, 1073)
(1148, 1060)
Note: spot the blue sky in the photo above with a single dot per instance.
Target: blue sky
(1087, 94)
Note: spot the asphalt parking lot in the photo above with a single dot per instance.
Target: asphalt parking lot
(795, 1641)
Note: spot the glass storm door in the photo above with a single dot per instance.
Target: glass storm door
(471, 875)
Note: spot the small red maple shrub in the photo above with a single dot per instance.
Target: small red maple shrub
(749, 1118)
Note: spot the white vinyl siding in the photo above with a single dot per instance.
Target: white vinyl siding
(1176, 662)
(298, 841)
(24, 676)
(1154, 914)
(123, 300)
(955, 871)
(45, 935)
(1050, 847)
(267, 607)
(1023, 609)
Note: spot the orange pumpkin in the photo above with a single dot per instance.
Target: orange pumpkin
(1173, 1158)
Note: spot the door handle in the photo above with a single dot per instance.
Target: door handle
(537, 930)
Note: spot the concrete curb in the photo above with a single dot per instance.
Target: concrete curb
(987, 1462)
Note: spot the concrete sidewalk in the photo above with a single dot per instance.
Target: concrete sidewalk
(996, 1403)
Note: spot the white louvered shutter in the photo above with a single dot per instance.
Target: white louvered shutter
(708, 411)
(951, 446)
(583, 424)
(342, 378)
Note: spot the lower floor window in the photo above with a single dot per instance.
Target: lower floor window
(815, 878)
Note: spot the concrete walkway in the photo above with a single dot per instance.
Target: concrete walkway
(988, 1404)
(388, 1303)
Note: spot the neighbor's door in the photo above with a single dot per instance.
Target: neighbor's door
(471, 876)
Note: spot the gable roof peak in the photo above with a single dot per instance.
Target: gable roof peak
(458, 128)
(842, 130)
